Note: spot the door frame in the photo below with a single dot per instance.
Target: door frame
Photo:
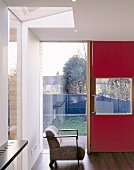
(88, 97)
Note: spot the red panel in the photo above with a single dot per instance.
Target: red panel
(112, 133)
(112, 59)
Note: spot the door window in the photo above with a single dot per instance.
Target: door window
(113, 96)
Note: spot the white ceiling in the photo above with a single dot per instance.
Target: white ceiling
(94, 19)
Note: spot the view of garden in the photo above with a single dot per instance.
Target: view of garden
(64, 97)
(69, 122)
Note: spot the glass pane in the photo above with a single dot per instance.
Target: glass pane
(65, 86)
(14, 78)
(31, 13)
(113, 95)
(14, 84)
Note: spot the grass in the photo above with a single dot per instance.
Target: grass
(72, 122)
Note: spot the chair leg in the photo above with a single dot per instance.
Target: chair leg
(78, 163)
(56, 164)
(51, 163)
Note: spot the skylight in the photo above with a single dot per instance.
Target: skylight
(31, 13)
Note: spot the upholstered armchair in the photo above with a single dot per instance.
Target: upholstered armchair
(60, 149)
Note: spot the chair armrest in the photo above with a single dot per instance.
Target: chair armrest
(63, 130)
(59, 136)
(65, 136)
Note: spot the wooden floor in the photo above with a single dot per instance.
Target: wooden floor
(93, 161)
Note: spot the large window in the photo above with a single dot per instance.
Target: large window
(113, 96)
(14, 84)
(65, 86)
(14, 78)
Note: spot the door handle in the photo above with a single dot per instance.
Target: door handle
(94, 105)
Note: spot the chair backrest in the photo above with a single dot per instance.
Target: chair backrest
(51, 132)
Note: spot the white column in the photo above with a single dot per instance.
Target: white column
(24, 96)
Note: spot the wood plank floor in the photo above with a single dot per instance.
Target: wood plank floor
(93, 161)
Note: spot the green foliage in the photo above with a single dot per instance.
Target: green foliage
(75, 75)
(70, 122)
(119, 88)
(12, 85)
(116, 88)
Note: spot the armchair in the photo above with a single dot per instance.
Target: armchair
(71, 149)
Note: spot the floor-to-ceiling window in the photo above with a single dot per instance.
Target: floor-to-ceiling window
(14, 82)
(65, 86)
(14, 78)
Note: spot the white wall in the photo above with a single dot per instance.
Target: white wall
(3, 72)
(31, 96)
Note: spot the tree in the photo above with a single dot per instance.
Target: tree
(12, 97)
(12, 85)
(119, 88)
(115, 87)
(74, 75)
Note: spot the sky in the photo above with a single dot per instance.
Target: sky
(56, 54)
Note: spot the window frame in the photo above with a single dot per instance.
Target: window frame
(93, 97)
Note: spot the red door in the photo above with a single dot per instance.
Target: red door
(112, 119)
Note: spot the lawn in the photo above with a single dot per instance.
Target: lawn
(70, 122)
